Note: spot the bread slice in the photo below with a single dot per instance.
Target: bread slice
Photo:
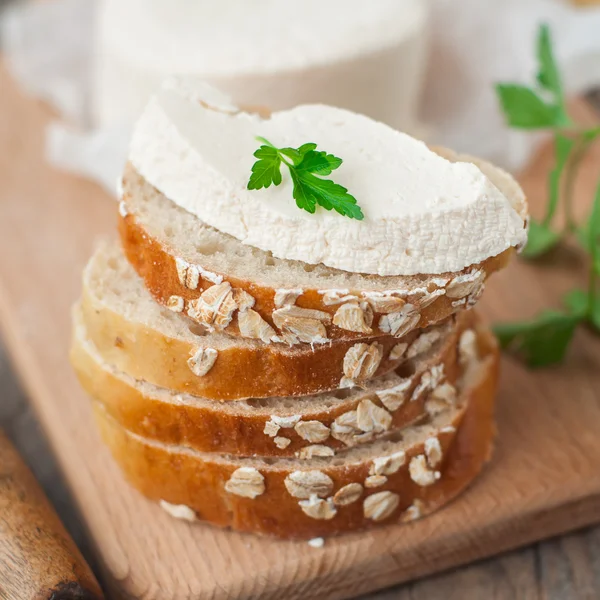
(179, 258)
(301, 427)
(398, 479)
(149, 342)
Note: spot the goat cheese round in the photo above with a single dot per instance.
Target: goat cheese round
(423, 213)
(366, 56)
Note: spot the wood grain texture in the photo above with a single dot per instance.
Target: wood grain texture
(543, 479)
(567, 568)
(38, 559)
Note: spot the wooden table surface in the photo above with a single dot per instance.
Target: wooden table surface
(567, 568)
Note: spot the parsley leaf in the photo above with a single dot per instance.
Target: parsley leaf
(540, 240)
(266, 170)
(310, 191)
(578, 302)
(319, 163)
(548, 75)
(297, 155)
(542, 341)
(524, 109)
(307, 168)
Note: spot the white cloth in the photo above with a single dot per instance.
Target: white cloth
(49, 47)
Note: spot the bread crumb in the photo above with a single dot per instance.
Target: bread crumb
(179, 511)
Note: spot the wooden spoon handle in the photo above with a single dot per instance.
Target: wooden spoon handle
(38, 559)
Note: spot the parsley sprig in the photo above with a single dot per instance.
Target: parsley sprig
(307, 167)
(545, 339)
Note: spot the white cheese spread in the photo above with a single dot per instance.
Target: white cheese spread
(366, 56)
(423, 213)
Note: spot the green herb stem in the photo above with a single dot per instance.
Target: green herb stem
(545, 339)
(592, 284)
(577, 155)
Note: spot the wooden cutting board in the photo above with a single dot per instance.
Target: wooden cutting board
(544, 478)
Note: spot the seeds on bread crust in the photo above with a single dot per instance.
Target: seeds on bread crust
(318, 508)
(362, 361)
(293, 311)
(302, 324)
(475, 295)
(176, 304)
(202, 361)
(383, 295)
(384, 304)
(447, 392)
(463, 285)
(424, 342)
(430, 297)
(179, 511)
(271, 429)
(282, 442)
(441, 398)
(345, 429)
(429, 381)
(421, 473)
(275, 423)
(309, 452)
(243, 300)
(400, 323)
(397, 352)
(381, 505)
(388, 465)
(246, 482)
(393, 398)
(215, 306)
(467, 347)
(312, 431)
(361, 425)
(333, 297)
(252, 325)
(286, 422)
(433, 451)
(189, 275)
(374, 481)
(123, 209)
(353, 316)
(413, 512)
(285, 297)
(370, 417)
(348, 494)
(304, 484)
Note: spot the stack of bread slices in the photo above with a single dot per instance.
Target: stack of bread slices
(236, 383)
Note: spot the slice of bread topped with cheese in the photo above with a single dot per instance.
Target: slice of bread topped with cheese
(283, 343)
(435, 225)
